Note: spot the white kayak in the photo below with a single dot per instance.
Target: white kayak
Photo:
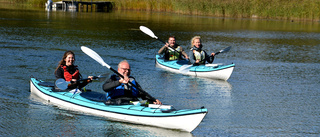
(164, 116)
(213, 71)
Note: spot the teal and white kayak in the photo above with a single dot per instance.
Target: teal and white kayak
(164, 116)
(213, 71)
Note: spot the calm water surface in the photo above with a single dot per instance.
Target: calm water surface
(274, 90)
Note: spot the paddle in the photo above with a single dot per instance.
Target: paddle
(63, 85)
(97, 58)
(185, 68)
(223, 50)
(151, 34)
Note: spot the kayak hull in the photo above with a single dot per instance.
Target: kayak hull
(184, 120)
(213, 71)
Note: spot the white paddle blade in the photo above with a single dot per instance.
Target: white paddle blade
(62, 84)
(148, 32)
(94, 56)
(185, 69)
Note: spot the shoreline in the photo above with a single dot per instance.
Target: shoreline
(296, 10)
(229, 17)
(305, 11)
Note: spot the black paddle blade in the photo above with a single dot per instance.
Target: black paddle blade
(223, 50)
(102, 77)
(226, 49)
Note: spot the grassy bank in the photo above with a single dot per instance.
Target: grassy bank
(270, 9)
(273, 9)
(26, 2)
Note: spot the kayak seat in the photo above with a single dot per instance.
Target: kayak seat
(120, 101)
(46, 84)
(183, 62)
(100, 97)
(94, 96)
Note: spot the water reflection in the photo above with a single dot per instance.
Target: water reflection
(214, 92)
(192, 92)
(154, 131)
(196, 83)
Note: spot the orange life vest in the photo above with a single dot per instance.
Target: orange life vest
(68, 76)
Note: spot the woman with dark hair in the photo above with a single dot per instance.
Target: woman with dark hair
(69, 72)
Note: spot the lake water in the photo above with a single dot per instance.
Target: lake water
(273, 91)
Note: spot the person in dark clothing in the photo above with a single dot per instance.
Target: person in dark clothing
(117, 87)
(197, 55)
(175, 52)
(69, 72)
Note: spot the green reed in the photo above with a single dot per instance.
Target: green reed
(27, 2)
(270, 9)
(276, 9)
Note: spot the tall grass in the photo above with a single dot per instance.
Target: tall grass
(29, 2)
(275, 9)
(272, 9)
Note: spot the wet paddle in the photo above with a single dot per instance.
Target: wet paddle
(97, 58)
(63, 84)
(185, 68)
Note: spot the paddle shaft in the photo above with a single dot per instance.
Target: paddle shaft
(224, 50)
(63, 84)
(94, 77)
(168, 47)
(98, 58)
(186, 68)
(217, 53)
(140, 89)
(151, 34)
(103, 77)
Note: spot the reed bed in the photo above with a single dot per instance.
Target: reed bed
(272, 9)
(269, 9)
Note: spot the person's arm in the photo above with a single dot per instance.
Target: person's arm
(59, 73)
(110, 84)
(210, 58)
(84, 83)
(191, 57)
(162, 50)
(146, 96)
(184, 53)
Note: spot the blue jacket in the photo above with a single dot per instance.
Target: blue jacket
(116, 89)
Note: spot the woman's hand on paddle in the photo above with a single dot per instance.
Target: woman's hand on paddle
(90, 78)
(157, 102)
